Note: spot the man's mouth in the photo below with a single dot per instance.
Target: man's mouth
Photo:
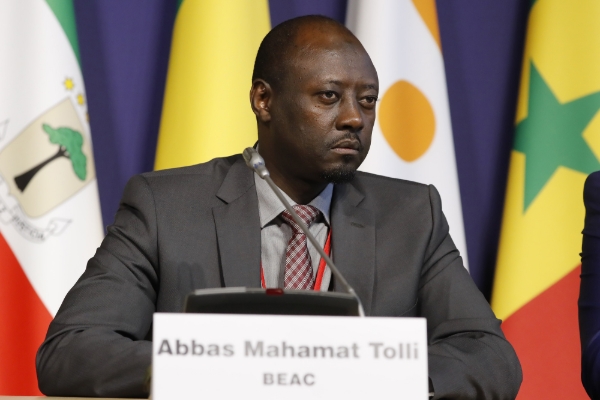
(347, 146)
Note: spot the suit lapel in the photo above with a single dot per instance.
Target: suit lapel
(353, 237)
(238, 228)
(238, 234)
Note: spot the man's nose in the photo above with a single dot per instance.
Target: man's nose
(350, 116)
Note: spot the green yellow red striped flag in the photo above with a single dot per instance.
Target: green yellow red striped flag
(50, 222)
(557, 144)
(206, 110)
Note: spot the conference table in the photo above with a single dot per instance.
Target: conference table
(43, 397)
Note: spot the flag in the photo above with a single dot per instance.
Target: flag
(50, 222)
(556, 145)
(206, 110)
(412, 138)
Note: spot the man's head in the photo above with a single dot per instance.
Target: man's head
(314, 91)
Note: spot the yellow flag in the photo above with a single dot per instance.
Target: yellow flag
(206, 110)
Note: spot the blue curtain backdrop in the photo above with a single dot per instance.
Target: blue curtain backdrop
(125, 50)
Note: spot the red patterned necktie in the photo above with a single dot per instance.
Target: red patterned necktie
(298, 267)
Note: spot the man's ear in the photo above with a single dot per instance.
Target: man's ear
(261, 95)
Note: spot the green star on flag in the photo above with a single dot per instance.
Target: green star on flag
(552, 135)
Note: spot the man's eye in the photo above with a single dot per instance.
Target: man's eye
(369, 101)
(329, 95)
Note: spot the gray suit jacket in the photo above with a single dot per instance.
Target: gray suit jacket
(198, 227)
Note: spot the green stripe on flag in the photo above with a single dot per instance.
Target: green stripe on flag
(65, 13)
(179, 2)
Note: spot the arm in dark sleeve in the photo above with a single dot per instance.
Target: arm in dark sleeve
(469, 358)
(589, 294)
(96, 346)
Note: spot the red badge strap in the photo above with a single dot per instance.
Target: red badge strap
(320, 271)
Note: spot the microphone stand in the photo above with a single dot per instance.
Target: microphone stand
(257, 163)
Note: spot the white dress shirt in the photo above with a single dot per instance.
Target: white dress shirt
(276, 233)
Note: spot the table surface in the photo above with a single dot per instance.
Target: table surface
(42, 397)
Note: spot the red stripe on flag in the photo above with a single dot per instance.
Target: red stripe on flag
(23, 324)
(545, 335)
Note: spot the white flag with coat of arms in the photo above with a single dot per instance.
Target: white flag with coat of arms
(50, 221)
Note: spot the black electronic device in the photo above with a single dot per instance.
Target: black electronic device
(241, 300)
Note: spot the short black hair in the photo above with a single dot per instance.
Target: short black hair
(275, 49)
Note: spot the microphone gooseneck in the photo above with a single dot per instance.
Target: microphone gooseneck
(256, 163)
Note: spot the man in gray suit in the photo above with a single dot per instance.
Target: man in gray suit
(314, 93)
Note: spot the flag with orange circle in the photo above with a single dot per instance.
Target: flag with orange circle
(412, 138)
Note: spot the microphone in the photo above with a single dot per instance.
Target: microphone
(255, 162)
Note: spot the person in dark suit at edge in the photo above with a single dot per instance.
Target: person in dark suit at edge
(314, 92)
(589, 294)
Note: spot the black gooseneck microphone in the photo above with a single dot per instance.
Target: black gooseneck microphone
(255, 162)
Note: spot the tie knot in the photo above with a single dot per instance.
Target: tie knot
(306, 213)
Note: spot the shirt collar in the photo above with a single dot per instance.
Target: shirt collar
(269, 206)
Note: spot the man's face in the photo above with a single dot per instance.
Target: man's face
(323, 115)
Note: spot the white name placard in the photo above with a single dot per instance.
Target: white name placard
(214, 356)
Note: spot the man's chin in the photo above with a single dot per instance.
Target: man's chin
(341, 174)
